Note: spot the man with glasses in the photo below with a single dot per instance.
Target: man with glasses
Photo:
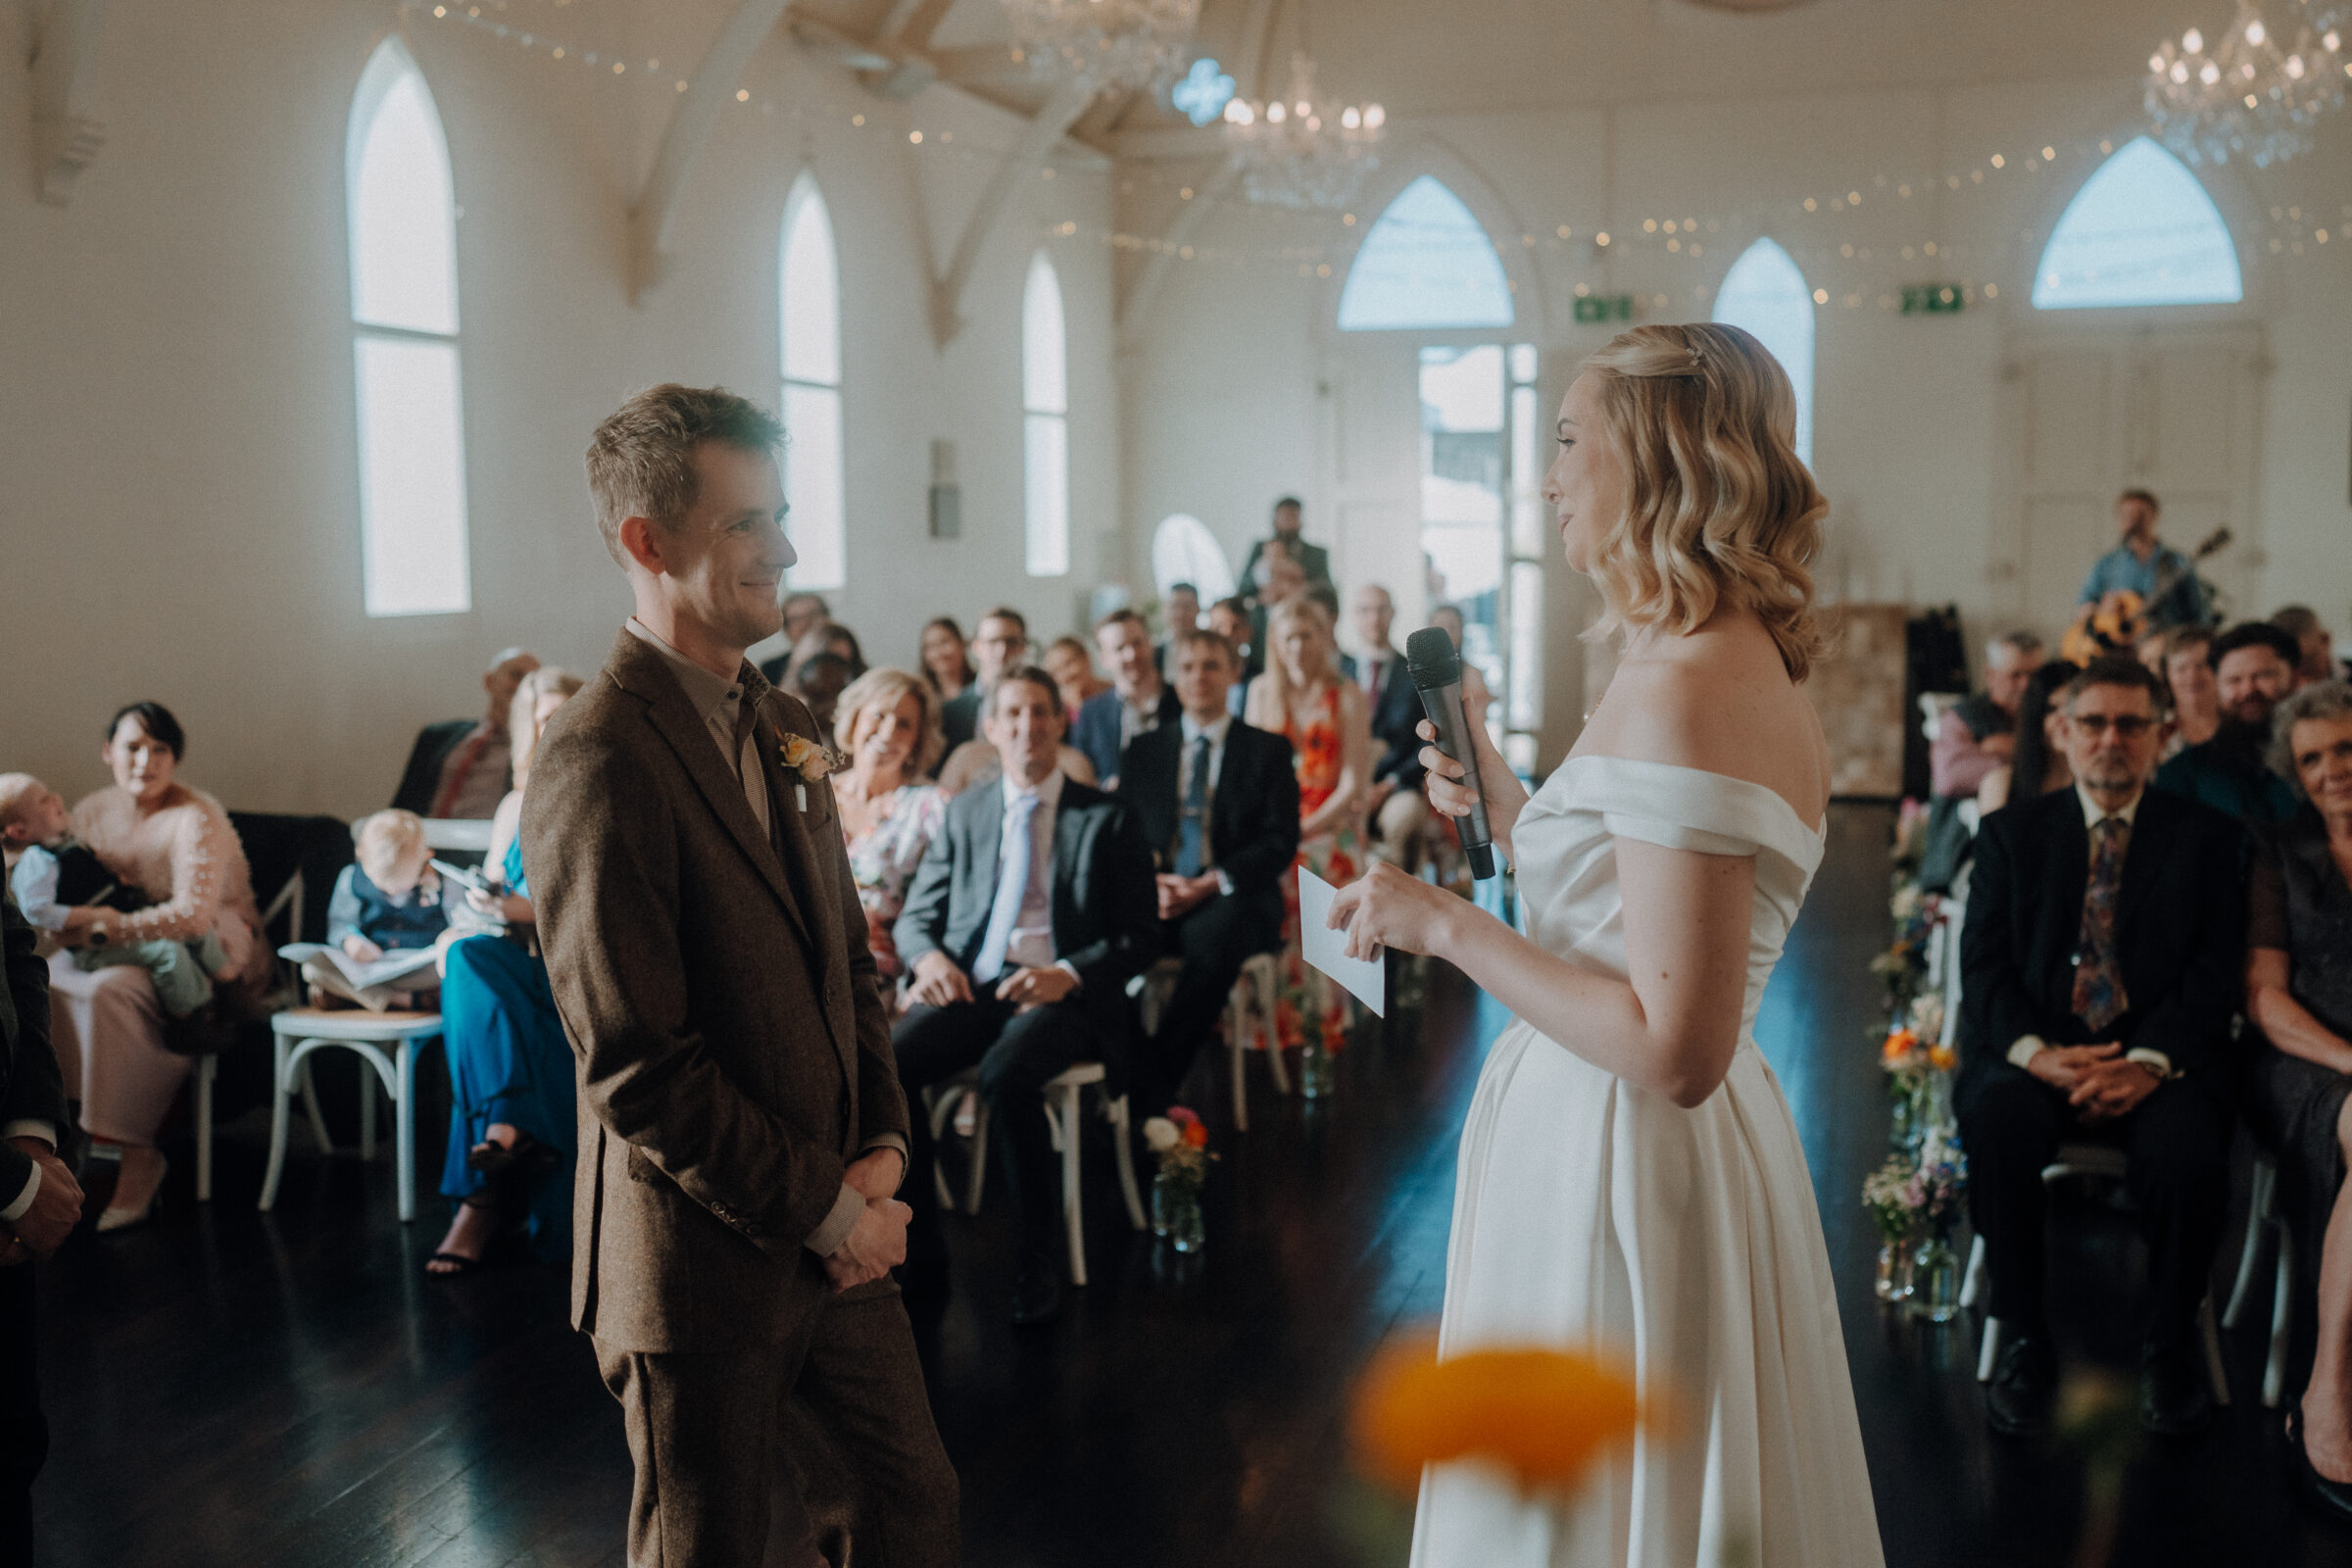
(2253, 668)
(1000, 642)
(2100, 965)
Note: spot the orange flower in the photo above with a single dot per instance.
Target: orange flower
(1195, 1135)
(1900, 1042)
(1541, 1414)
(1942, 1057)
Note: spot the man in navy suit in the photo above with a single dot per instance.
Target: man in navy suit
(1029, 915)
(1399, 815)
(1218, 802)
(1139, 700)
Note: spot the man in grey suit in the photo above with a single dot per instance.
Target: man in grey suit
(742, 1132)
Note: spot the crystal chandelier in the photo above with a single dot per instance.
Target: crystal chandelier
(2254, 94)
(1124, 44)
(1303, 151)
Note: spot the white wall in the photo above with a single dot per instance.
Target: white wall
(175, 392)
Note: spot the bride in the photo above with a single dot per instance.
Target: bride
(1631, 1180)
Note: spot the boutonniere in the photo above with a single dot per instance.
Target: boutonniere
(811, 761)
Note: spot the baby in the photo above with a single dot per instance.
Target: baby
(392, 900)
(62, 887)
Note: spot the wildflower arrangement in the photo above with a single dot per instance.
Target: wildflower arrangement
(1939, 1182)
(1181, 1141)
(1887, 1193)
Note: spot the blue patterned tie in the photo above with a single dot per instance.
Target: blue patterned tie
(1192, 829)
(1012, 889)
(2099, 999)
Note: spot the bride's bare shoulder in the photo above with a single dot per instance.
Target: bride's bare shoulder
(1720, 701)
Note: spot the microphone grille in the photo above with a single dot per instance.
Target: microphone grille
(1429, 654)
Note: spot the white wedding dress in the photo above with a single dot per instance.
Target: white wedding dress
(1592, 1214)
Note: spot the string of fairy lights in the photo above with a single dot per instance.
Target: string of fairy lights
(1853, 274)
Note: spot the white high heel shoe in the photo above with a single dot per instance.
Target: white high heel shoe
(118, 1220)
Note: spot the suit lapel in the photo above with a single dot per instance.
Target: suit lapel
(695, 748)
(799, 857)
(1068, 827)
(2142, 866)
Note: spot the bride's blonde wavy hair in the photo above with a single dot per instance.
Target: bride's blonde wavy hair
(1717, 506)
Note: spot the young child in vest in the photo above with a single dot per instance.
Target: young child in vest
(65, 890)
(391, 901)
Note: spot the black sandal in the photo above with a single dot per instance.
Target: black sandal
(518, 1164)
(484, 1199)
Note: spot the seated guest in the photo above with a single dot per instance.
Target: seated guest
(1447, 619)
(944, 660)
(1218, 804)
(1973, 737)
(512, 1133)
(2196, 698)
(1139, 700)
(826, 637)
(156, 833)
(1000, 642)
(2253, 668)
(889, 729)
(2039, 754)
(1399, 816)
(819, 683)
(1229, 618)
(64, 889)
(803, 612)
(2317, 660)
(1031, 912)
(1280, 579)
(976, 763)
(1303, 698)
(389, 900)
(1289, 516)
(458, 768)
(1181, 611)
(1072, 667)
(2299, 1086)
(2105, 935)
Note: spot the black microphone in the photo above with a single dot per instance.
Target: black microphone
(1436, 671)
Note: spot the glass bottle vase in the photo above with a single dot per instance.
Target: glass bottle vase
(1895, 1272)
(1315, 1080)
(1176, 1211)
(1936, 1280)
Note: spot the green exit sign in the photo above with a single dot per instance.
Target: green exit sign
(1604, 308)
(1932, 298)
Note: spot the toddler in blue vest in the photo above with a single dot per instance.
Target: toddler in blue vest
(390, 901)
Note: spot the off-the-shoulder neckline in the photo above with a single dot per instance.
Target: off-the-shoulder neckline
(1820, 833)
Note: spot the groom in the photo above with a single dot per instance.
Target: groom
(742, 1130)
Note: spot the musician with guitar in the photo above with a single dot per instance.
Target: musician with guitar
(2140, 586)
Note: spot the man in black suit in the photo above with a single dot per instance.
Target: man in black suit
(1139, 699)
(2100, 966)
(1399, 815)
(1030, 912)
(1218, 802)
(1000, 642)
(460, 767)
(40, 1203)
(1289, 517)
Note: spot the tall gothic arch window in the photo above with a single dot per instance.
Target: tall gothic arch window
(1765, 294)
(402, 208)
(1426, 263)
(1045, 420)
(809, 283)
(2140, 231)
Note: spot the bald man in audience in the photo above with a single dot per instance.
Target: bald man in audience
(461, 767)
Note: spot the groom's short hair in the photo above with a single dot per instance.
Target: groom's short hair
(641, 459)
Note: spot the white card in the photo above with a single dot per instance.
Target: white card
(1327, 949)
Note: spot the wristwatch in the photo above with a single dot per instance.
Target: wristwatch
(97, 935)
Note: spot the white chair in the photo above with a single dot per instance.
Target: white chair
(1062, 1095)
(2264, 1218)
(2073, 1161)
(387, 1042)
(1253, 993)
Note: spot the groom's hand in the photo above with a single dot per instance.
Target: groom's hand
(876, 1175)
(875, 1245)
(938, 982)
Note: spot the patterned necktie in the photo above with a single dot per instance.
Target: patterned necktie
(1012, 887)
(2099, 998)
(1192, 828)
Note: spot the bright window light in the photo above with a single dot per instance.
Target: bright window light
(809, 319)
(1765, 294)
(403, 308)
(1427, 262)
(2140, 231)
(1046, 408)
(1183, 550)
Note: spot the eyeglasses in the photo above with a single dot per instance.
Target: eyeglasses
(2127, 726)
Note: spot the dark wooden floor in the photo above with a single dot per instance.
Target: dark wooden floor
(232, 1388)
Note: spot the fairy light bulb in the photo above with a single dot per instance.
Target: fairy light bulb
(2193, 42)
(2255, 31)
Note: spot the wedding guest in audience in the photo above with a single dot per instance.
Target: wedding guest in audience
(459, 769)
(889, 729)
(1448, 619)
(2196, 697)
(1229, 618)
(825, 637)
(1218, 804)
(1031, 912)
(945, 661)
(999, 642)
(1289, 515)
(1072, 666)
(1280, 578)
(176, 842)
(1304, 698)
(819, 683)
(803, 612)
(2039, 754)
(2101, 960)
(1139, 701)
(389, 900)
(977, 761)
(2317, 660)
(1978, 734)
(1398, 815)
(1182, 613)
(2253, 668)
(2299, 1085)
(2163, 579)
(513, 1134)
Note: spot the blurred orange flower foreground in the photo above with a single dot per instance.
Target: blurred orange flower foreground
(1540, 1414)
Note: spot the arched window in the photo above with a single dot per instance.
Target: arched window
(1427, 262)
(403, 213)
(1765, 294)
(1045, 420)
(1183, 550)
(808, 317)
(2140, 231)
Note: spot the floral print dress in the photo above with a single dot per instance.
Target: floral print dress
(1337, 857)
(882, 862)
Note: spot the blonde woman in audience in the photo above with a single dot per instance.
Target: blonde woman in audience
(511, 1128)
(158, 834)
(1303, 698)
(889, 728)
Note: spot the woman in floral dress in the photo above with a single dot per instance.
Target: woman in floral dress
(889, 726)
(1304, 697)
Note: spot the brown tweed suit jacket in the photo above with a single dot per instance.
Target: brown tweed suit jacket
(716, 986)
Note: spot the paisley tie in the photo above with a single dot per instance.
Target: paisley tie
(2099, 998)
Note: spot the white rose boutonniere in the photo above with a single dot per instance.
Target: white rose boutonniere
(811, 762)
